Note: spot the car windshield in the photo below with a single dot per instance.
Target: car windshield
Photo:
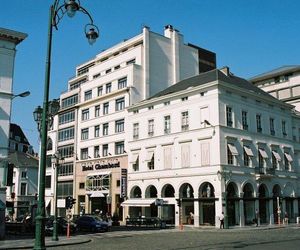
(97, 218)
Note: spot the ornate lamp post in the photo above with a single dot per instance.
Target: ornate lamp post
(57, 10)
(225, 176)
(55, 160)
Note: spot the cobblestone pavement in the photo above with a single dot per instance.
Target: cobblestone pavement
(248, 238)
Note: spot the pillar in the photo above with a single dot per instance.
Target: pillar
(218, 208)
(271, 211)
(177, 212)
(242, 214)
(196, 213)
(295, 205)
(256, 207)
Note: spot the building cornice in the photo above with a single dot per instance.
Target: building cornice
(12, 36)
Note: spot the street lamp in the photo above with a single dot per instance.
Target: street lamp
(55, 160)
(57, 10)
(225, 176)
(23, 94)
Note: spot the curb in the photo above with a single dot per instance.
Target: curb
(49, 244)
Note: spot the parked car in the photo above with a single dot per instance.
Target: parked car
(92, 223)
(62, 225)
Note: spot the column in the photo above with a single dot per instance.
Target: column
(196, 213)
(256, 208)
(295, 205)
(177, 212)
(271, 211)
(218, 208)
(242, 214)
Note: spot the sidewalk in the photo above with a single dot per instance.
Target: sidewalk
(29, 243)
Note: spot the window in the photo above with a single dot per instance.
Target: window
(85, 114)
(150, 163)
(81, 185)
(167, 103)
(185, 155)
(66, 134)
(231, 153)
(258, 123)
(88, 95)
(119, 148)
(274, 160)
(23, 188)
(105, 129)
(24, 174)
(136, 164)
(100, 91)
(117, 67)
(107, 71)
(66, 117)
(262, 155)
(184, 98)
(135, 131)
(245, 120)
(120, 104)
(84, 134)
(151, 107)
(108, 88)
(118, 183)
(167, 124)
(48, 181)
(229, 156)
(64, 189)
(76, 85)
(96, 152)
(66, 151)
(185, 121)
(283, 126)
(69, 101)
(272, 130)
(229, 116)
(130, 62)
(119, 126)
(105, 108)
(136, 111)
(246, 159)
(97, 110)
(96, 76)
(84, 154)
(97, 131)
(65, 169)
(122, 83)
(105, 150)
(151, 127)
(287, 161)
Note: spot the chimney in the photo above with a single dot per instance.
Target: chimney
(225, 70)
(168, 30)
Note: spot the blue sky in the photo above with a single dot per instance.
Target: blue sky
(250, 37)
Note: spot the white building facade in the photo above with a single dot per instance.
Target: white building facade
(91, 124)
(179, 139)
(9, 39)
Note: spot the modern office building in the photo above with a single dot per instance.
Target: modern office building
(91, 125)
(282, 83)
(9, 39)
(211, 142)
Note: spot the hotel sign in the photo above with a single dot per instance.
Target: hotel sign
(123, 183)
(100, 165)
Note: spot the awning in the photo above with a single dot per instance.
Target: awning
(248, 151)
(95, 194)
(263, 153)
(134, 158)
(276, 155)
(233, 149)
(289, 157)
(99, 173)
(149, 156)
(138, 202)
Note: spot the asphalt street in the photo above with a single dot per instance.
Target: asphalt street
(275, 238)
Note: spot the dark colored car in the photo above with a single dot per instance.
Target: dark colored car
(62, 225)
(92, 223)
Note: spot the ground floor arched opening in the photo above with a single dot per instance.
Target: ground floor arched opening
(232, 204)
(207, 205)
(263, 204)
